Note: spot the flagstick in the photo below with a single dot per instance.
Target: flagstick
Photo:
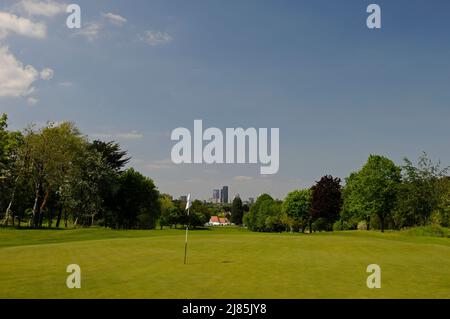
(186, 240)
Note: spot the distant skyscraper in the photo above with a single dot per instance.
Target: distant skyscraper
(183, 199)
(224, 195)
(216, 196)
(251, 200)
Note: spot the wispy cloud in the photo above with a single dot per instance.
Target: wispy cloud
(156, 38)
(90, 31)
(32, 101)
(46, 8)
(47, 74)
(133, 135)
(160, 164)
(130, 135)
(10, 23)
(115, 19)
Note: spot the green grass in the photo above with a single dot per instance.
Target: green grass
(222, 263)
(431, 230)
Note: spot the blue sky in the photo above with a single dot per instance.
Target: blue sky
(337, 90)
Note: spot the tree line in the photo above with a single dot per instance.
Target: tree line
(54, 176)
(380, 195)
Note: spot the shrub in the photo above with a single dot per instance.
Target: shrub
(322, 224)
(345, 225)
(430, 230)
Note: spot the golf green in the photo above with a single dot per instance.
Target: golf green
(222, 263)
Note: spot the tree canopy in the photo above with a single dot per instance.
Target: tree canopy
(326, 201)
(54, 175)
(237, 211)
(373, 189)
(296, 206)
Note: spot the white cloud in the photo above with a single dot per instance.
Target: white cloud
(102, 136)
(90, 31)
(32, 101)
(47, 74)
(15, 78)
(115, 18)
(22, 26)
(46, 8)
(155, 38)
(160, 164)
(133, 135)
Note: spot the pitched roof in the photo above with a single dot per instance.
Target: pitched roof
(214, 219)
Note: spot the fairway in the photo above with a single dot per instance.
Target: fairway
(222, 263)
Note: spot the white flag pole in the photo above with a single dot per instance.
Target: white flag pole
(188, 206)
(186, 240)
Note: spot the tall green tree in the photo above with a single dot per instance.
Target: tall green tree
(137, 202)
(115, 160)
(3, 164)
(420, 192)
(198, 214)
(82, 194)
(373, 190)
(265, 215)
(3, 139)
(326, 201)
(443, 208)
(167, 206)
(9, 145)
(296, 206)
(237, 211)
(111, 154)
(47, 158)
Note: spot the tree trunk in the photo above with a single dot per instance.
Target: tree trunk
(368, 223)
(58, 219)
(382, 223)
(36, 199)
(310, 226)
(8, 209)
(65, 219)
(8, 214)
(41, 208)
(50, 219)
(6, 219)
(41, 218)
